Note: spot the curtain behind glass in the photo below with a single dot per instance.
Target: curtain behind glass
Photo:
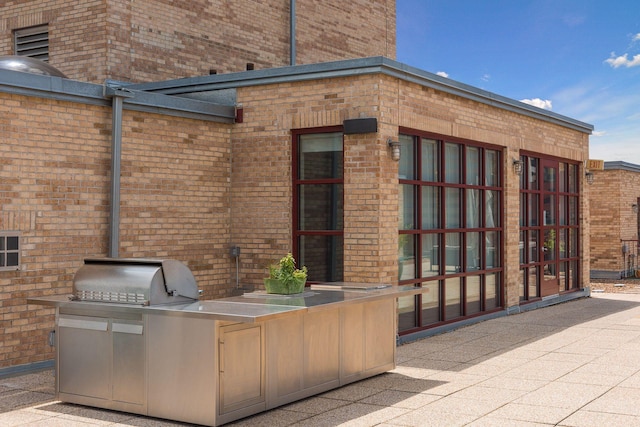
(473, 166)
(492, 168)
(430, 160)
(406, 168)
(452, 163)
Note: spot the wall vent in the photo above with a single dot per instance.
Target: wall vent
(32, 42)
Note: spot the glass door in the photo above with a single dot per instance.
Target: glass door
(550, 282)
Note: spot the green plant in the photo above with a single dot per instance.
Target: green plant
(286, 272)
(550, 240)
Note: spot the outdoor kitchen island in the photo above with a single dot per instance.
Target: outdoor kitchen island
(213, 362)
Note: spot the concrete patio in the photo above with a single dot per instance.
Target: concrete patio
(572, 364)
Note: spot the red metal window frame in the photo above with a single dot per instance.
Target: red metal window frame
(526, 228)
(296, 182)
(462, 230)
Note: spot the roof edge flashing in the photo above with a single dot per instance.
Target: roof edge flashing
(621, 165)
(355, 67)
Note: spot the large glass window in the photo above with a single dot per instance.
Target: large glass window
(450, 229)
(318, 195)
(549, 227)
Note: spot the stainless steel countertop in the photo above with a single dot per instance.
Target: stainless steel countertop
(249, 307)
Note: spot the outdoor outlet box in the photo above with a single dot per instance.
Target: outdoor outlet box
(235, 251)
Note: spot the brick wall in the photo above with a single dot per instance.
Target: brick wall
(261, 172)
(333, 30)
(175, 195)
(54, 190)
(262, 183)
(78, 42)
(612, 219)
(150, 40)
(187, 193)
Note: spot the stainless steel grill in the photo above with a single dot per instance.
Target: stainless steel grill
(211, 362)
(134, 281)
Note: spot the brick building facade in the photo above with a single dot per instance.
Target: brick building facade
(219, 160)
(94, 40)
(191, 187)
(613, 201)
(54, 191)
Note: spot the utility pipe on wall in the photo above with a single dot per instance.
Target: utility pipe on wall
(117, 100)
(292, 32)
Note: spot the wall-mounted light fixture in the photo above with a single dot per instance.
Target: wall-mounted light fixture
(395, 149)
(634, 208)
(518, 166)
(589, 176)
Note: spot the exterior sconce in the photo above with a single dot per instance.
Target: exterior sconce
(395, 149)
(518, 166)
(634, 208)
(589, 176)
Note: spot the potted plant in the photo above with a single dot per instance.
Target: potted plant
(284, 278)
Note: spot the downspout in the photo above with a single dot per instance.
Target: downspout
(117, 96)
(292, 32)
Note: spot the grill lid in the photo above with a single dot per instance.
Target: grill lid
(134, 281)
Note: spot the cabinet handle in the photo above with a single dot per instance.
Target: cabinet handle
(80, 323)
(126, 328)
(221, 355)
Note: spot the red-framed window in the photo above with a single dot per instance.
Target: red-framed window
(450, 229)
(318, 202)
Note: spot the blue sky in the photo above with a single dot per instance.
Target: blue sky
(578, 58)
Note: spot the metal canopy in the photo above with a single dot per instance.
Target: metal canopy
(61, 89)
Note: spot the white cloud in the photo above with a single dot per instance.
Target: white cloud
(599, 133)
(608, 150)
(545, 104)
(623, 60)
(442, 74)
(636, 37)
(486, 77)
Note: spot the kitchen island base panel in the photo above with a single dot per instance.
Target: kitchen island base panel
(308, 353)
(182, 378)
(214, 362)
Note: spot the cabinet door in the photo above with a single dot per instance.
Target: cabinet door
(380, 334)
(368, 339)
(321, 344)
(128, 362)
(241, 366)
(84, 356)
